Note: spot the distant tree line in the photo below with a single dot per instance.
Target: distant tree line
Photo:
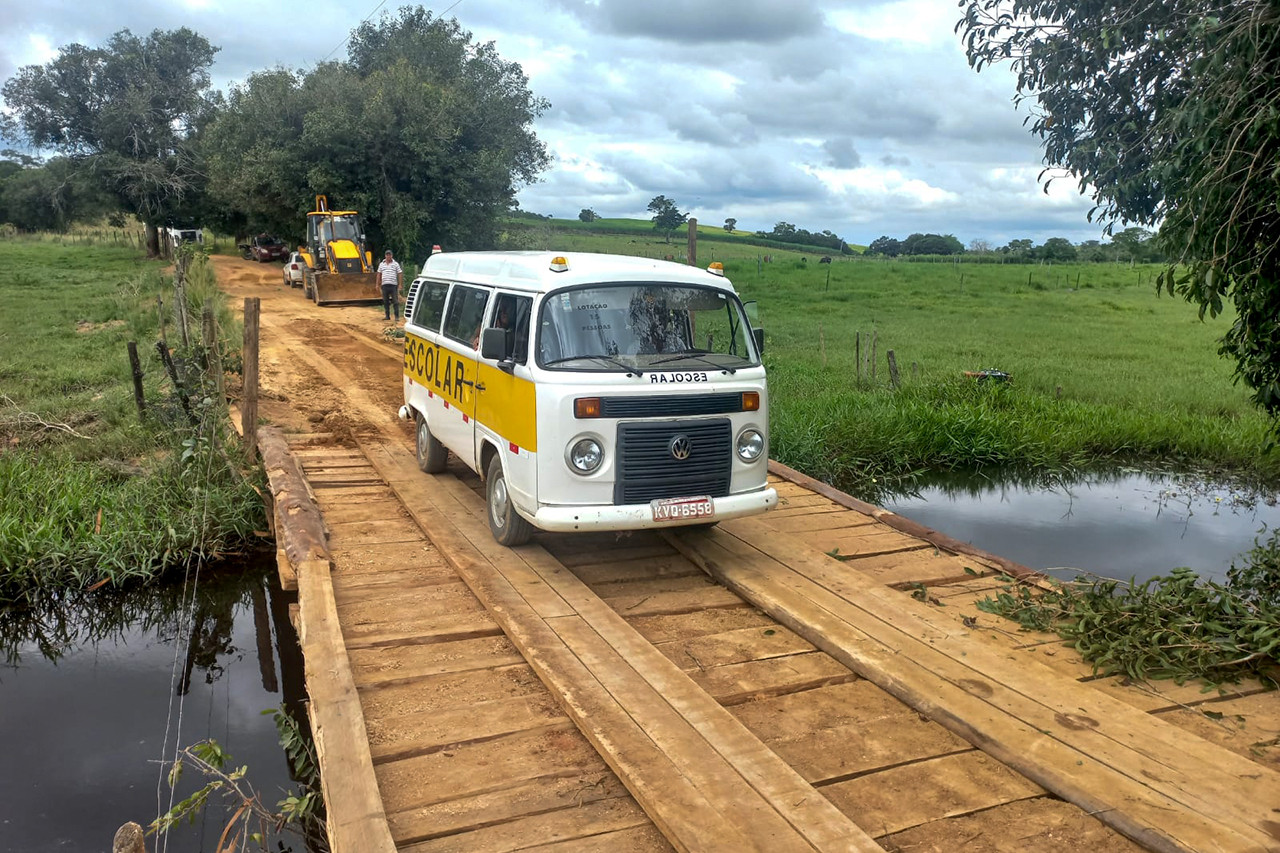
(785, 232)
(424, 131)
(1132, 245)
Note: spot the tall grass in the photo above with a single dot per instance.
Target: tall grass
(90, 491)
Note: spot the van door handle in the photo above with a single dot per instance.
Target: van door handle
(479, 386)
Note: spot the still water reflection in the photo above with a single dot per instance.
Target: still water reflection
(98, 687)
(1118, 525)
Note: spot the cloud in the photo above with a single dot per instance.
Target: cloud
(841, 153)
(705, 22)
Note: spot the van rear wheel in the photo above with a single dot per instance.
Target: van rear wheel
(432, 455)
(507, 526)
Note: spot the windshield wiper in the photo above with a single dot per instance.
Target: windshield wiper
(631, 371)
(698, 354)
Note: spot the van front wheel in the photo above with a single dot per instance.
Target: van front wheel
(507, 526)
(432, 455)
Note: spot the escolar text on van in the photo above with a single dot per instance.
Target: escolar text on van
(590, 392)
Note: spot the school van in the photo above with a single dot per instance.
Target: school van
(590, 392)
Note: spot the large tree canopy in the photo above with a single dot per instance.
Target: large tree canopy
(124, 113)
(426, 133)
(1166, 111)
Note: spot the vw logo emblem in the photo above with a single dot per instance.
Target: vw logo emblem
(681, 447)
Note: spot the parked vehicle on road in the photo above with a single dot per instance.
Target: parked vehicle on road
(177, 236)
(590, 392)
(264, 248)
(340, 268)
(295, 270)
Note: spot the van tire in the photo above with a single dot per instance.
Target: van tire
(508, 526)
(432, 455)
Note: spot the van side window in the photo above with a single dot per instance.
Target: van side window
(464, 314)
(512, 313)
(428, 310)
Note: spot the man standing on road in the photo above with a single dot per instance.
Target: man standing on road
(390, 275)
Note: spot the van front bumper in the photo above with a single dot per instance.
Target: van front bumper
(640, 516)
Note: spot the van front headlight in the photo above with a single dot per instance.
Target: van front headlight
(750, 445)
(585, 455)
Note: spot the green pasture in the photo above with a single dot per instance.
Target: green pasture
(89, 490)
(1104, 370)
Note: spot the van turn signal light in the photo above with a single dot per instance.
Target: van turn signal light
(559, 264)
(750, 401)
(589, 407)
(716, 268)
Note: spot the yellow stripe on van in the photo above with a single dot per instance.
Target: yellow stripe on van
(441, 371)
(508, 406)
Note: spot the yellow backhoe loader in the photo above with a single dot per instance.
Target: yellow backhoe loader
(339, 264)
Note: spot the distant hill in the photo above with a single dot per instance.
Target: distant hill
(642, 230)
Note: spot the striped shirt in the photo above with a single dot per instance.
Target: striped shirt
(389, 273)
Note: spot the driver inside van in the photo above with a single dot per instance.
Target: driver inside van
(501, 320)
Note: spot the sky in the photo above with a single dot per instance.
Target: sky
(859, 117)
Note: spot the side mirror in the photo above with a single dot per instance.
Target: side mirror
(493, 345)
(758, 334)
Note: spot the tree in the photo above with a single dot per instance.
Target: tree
(730, 224)
(124, 114)
(1164, 111)
(886, 246)
(666, 216)
(587, 215)
(428, 134)
(932, 244)
(980, 246)
(1057, 249)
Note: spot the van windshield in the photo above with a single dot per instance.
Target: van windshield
(644, 326)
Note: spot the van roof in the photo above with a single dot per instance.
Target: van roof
(532, 270)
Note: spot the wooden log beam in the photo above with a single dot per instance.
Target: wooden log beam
(300, 527)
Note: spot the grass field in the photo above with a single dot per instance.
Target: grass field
(1104, 370)
(88, 489)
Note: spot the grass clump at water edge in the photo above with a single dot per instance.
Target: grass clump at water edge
(89, 491)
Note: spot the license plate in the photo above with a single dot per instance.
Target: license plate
(682, 509)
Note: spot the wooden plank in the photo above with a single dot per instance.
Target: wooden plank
(568, 824)
(927, 566)
(411, 630)
(1043, 825)
(465, 814)
(377, 532)
(750, 681)
(840, 520)
(1042, 731)
(709, 597)
(356, 820)
(683, 813)
(744, 644)
(481, 767)
(438, 694)
(664, 629)
(636, 840)
(902, 797)
(863, 542)
(406, 735)
(405, 664)
(645, 568)
(846, 729)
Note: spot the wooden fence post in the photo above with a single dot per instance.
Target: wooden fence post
(180, 300)
(693, 242)
(857, 356)
(893, 369)
(875, 340)
(213, 355)
(249, 405)
(822, 345)
(136, 367)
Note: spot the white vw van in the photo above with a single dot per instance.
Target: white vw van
(590, 392)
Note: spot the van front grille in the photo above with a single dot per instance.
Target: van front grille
(670, 405)
(647, 469)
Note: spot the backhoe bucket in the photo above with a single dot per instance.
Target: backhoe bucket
(342, 288)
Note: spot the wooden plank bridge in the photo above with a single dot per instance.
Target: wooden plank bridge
(813, 679)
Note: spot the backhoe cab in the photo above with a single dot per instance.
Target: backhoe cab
(339, 263)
